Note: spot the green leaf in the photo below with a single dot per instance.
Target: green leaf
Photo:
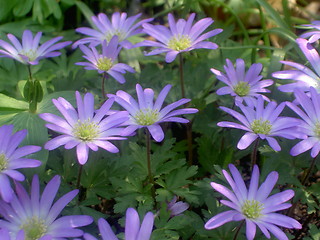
(46, 105)
(86, 11)
(23, 8)
(9, 102)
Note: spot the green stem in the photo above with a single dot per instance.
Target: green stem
(29, 71)
(104, 77)
(151, 179)
(264, 27)
(254, 153)
(79, 176)
(307, 175)
(238, 230)
(181, 76)
(32, 101)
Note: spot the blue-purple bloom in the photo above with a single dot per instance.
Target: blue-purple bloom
(176, 208)
(303, 76)
(311, 121)
(253, 205)
(120, 26)
(29, 52)
(37, 216)
(133, 230)
(12, 158)
(313, 35)
(181, 37)
(145, 113)
(263, 123)
(106, 61)
(241, 84)
(86, 128)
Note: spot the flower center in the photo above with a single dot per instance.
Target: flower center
(316, 129)
(34, 228)
(242, 89)
(252, 209)
(86, 131)
(104, 64)
(31, 54)
(116, 32)
(259, 126)
(146, 117)
(179, 42)
(3, 162)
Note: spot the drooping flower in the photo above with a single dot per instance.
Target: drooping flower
(145, 113)
(85, 129)
(303, 76)
(133, 230)
(181, 37)
(264, 123)
(37, 215)
(106, 61)
(313, 35)
(176, 208)
(29, 52)
(242, 85)
(311, 121)
(253, 205)
(120, 26)
(12, 158)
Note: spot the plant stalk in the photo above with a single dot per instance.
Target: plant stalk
(254, 153)
(151, 179)
(238, 230)
(104, 77)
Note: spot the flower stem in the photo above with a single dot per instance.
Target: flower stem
(189, 125)
(104, 77)
(238, 230)
(254, 153)
(181, 76)
(151, 179)
(79, 176)
(307, 175)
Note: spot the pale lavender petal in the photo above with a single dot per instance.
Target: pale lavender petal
(220, 219)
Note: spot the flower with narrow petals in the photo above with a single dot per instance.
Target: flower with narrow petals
(37, 216)
(181, 37)
(264, 123)
(242, 85)
(119, 25)
(311, 121)
(145, 113)
(12, 158)
(105, 62)
(304, 76)
(29, 52)
(253, 205)
(313, 35)
(85, 129)
(133, 230)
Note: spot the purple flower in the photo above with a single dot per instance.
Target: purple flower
(12, 158)
(253, 205)
(313, 35)
(133, 231)
(146, 114)
(29, 52)
(85, 129)
(120, 26)
(263, 122)
(181, 37)
(36, 215)
(242, 85)
(176, 208)
(304, 77)
(311, 121)
(105, 62)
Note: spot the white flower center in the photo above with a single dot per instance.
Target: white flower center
(34, 228)
(31, 54)
(252, 209)
(259, 126)
(3, 162)
(179, 42)
(242, 89)
(146, 117)
(86, 131)
(104, 64)
(316, 129)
